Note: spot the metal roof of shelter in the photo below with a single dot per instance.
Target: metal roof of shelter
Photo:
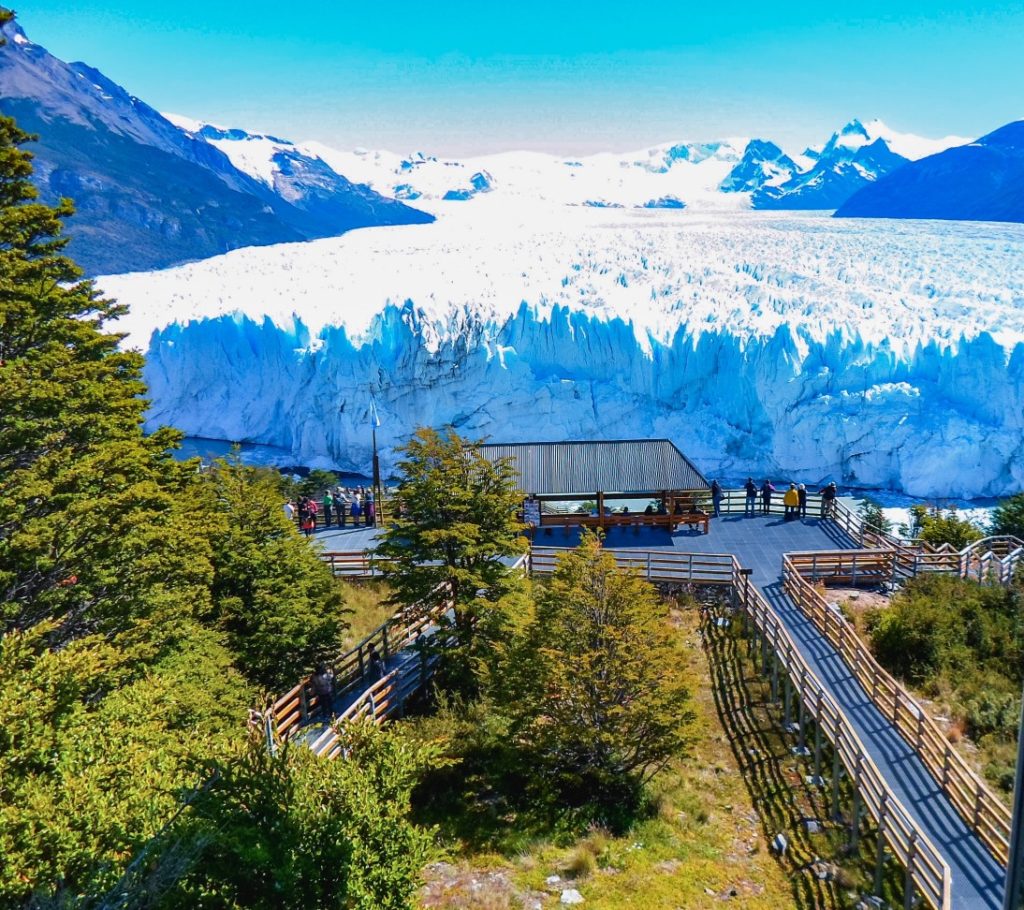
(588, 467)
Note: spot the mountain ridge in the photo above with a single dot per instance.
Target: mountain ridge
(148, 195)
(980, 181)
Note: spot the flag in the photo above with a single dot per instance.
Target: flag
(374, 419)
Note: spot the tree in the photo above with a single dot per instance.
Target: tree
(294, 830)
(316, 481)
(938, 526)
(1008, 517)
(277, 601)
(454, 533)
(117, 685)
(597, 687)
(874, 518)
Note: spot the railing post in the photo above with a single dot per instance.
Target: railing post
(787, 700)
(775, 677)
(802, 721)
(908, 882)
(835, 779)
(268, 731)
(817, 739)
(880, 860)
(303, 702)
(855, 821)
(384, 642)
(648, 566)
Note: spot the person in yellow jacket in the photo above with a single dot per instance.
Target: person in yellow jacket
(791, 500)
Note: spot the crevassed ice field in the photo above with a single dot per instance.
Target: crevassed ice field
(882, 352)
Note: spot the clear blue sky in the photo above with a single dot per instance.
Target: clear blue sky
(454, 77)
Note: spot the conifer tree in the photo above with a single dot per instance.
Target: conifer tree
(455, 532)
(596, 683)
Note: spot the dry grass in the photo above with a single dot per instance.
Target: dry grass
(365, 600)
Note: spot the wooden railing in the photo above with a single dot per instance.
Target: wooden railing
(383, 699)
(355, 563)
(292, 711)
(654, 565)
(925, 867)
(980, 808)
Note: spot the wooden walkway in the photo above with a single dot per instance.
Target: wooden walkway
(943, 825)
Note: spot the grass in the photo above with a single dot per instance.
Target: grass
(366, 601)
(703, 842)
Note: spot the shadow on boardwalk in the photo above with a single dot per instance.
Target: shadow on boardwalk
(776, 781)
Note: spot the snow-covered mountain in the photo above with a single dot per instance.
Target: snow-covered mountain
(878, 352)
(852, 158)
(723, 175)
(148, 194)
(980, 181)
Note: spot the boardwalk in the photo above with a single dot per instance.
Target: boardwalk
(759, 543)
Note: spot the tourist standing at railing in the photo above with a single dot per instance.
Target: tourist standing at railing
(716, 497)
(374, 666)
(791, 500)
(828, 501)
(322, 682)
(340, 506)
(802, 494)
(289, 510)
(767, 489)
(356, 509)
(371, 511)
(328, 507)
(750, 508)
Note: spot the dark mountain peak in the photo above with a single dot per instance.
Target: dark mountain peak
(148, 194)
(1009, 137)
(981, 181)
(763, 164)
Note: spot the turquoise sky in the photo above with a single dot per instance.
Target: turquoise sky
(459, 78)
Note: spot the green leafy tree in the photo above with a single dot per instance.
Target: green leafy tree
(597, 687)
(117, 685)
(1008, 516)
(278, 602)
(293, 830)
(316, 481)
(874, 518)
(939, 526)
(454, 533)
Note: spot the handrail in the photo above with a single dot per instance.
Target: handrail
(654, 565)
(980, 808)
(289, 713)
(924, 864)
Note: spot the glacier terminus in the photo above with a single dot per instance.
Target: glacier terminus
(875, 352)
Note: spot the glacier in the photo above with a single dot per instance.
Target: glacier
(877, 353)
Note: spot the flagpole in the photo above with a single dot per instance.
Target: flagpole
(377, 492)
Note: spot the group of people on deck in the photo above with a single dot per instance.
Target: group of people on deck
(337, 506)
(794, 500)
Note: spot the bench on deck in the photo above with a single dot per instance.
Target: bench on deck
(635, 520)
